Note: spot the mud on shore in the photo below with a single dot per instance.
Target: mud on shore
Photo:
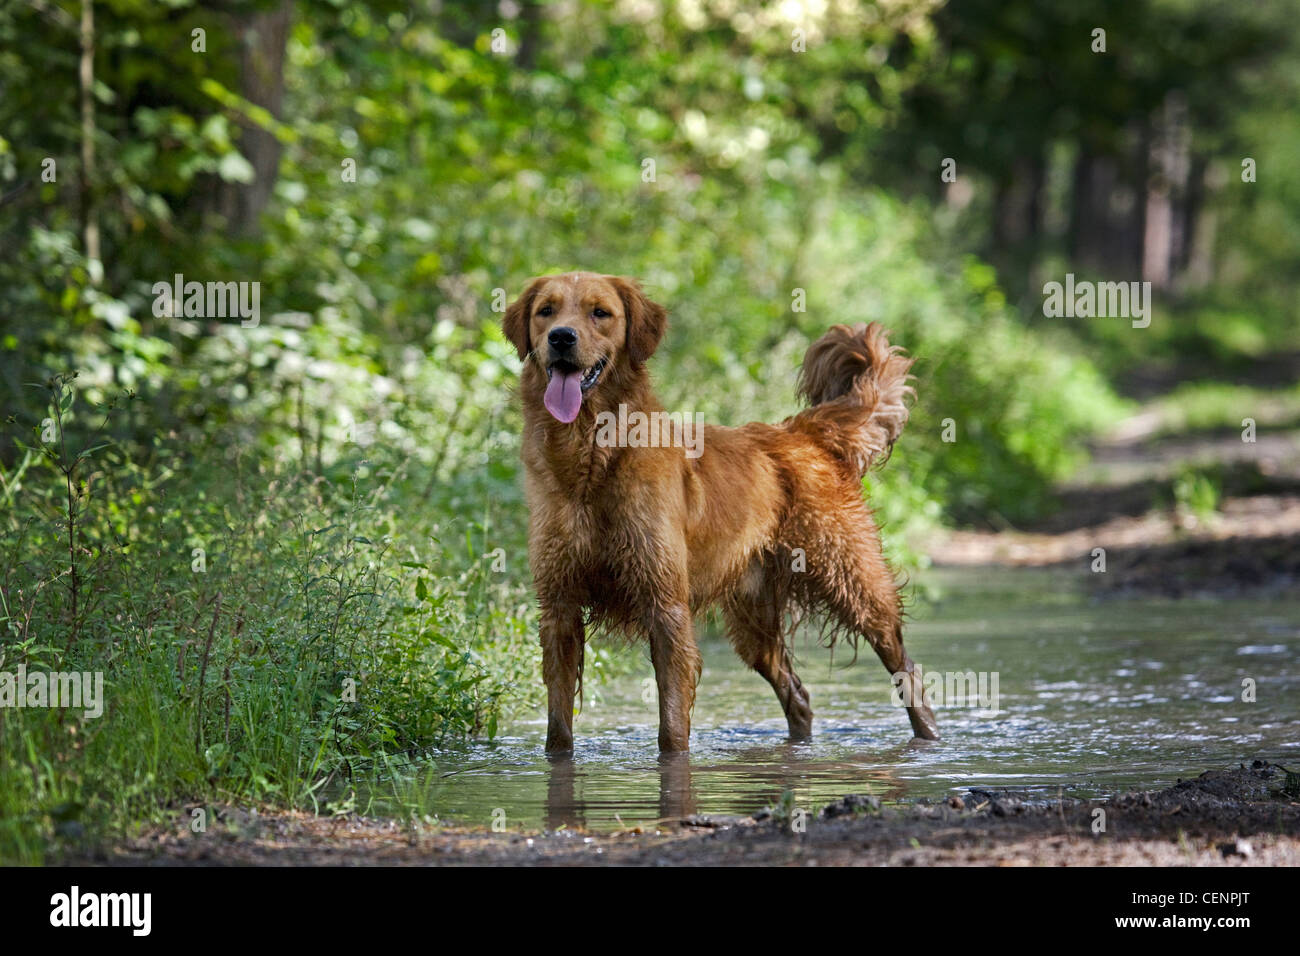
(1249, 816)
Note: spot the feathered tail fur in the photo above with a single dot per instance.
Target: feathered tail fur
(857, 385)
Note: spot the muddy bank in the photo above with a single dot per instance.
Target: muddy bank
(1251, 546)
(1249, 816)
(1125, 503)
(1219, 567)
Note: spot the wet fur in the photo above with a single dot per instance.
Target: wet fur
(639, 540)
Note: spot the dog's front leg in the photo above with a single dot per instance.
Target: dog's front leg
(676, 662)
(562, 650)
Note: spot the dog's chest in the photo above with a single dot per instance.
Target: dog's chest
(572, 539)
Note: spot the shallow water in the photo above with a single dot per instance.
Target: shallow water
(1093, 697)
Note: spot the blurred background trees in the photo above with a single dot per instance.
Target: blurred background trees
(493, 141)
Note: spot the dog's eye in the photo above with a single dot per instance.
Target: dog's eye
(600, 314)
(545, 310)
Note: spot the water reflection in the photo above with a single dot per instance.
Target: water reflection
(775, 769)
(565, 808)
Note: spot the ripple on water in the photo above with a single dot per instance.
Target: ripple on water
(1095, 697)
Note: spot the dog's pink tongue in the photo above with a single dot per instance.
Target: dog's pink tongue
(564, 395)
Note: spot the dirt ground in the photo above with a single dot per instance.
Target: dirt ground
(1244, 817)
(1124, 504)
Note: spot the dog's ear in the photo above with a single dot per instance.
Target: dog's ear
(518, 313)
(646, 321)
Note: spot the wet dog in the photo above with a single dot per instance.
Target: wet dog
(768, 522)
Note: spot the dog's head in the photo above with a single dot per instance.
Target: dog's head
(580, 328)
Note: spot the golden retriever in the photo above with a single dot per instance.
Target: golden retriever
(767, 523)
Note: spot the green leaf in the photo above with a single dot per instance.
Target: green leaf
(233, 168)
(439, 638)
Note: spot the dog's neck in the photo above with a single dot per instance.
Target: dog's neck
(570, 452)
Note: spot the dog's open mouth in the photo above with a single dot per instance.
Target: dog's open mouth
(565, 386)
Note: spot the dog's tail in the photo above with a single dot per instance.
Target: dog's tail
(857, 385)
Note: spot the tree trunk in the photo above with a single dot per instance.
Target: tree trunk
(1164, 235)
(1018, 214)
(89, 212)
(1106, 210)
(261, 36)
(1091, 234)
(530, 29)
(1202, 224)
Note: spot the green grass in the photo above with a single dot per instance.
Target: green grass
(323, 637)
(1197, 493)
(1213, 406)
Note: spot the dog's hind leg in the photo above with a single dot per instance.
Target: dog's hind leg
(907, 677)
(852, 579)
(754, 626)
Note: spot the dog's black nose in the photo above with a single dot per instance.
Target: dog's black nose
(562, 338)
